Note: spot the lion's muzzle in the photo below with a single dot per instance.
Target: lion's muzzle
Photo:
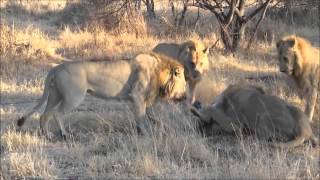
(179, 97)
(196, 76)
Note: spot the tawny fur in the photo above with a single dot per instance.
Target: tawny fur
(141, 81)
(299, 59)
(193, 55)
(247, 108)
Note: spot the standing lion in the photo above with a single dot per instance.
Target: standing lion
(193, 55)
(141, 81)
(300, 60)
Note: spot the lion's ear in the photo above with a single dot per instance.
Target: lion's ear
(206, 50)
(260, 89)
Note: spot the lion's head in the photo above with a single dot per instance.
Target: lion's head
(171, 79)
(288, 49)
(194, 55)
(203, 113)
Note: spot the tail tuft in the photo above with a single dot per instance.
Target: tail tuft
(21, 121)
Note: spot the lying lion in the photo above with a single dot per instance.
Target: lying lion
(248, 108)
(140, 82)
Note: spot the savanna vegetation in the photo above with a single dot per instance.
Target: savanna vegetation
(36, 35)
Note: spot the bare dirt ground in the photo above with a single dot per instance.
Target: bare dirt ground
(102, 142)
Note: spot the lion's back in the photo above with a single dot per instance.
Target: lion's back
(169, 49)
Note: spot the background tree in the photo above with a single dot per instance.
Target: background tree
(232, 16)
(150, 8)
(178, 16)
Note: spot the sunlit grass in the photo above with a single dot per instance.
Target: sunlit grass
(105, 147)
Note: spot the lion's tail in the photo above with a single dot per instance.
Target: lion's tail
(291, 144)
(298, 141)
(42, 101)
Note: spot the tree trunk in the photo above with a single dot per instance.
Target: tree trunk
(183, 13)
(237, 34)
(233, 20)
(150, 8)
(137, 4)
(225, 39)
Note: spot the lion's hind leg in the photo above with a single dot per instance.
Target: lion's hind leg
(67, 104)
(53, 101)
(303, 132)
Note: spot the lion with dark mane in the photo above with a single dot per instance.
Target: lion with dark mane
(142, 81)
(299, 59)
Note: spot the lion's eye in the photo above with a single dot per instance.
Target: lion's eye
(192, 48)
(177, 72)
(201, 63)
(192, 64)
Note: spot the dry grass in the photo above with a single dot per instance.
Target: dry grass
(102, 144)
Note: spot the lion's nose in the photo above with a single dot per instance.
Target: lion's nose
(197, 104)
(183, 96)
(196, 75)
(180, 97)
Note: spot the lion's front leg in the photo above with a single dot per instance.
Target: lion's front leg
(142, 123)
(191, 96)
(139, 107)
(310, 103)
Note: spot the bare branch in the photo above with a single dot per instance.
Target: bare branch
(257, 26)
(239, 10)
(183, 13)
(103, 14)
(211, 8)
(231, 12)
(256, 11)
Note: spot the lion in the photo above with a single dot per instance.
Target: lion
(140, 82)
(297, 58)
(194, 56)
(246, 108)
